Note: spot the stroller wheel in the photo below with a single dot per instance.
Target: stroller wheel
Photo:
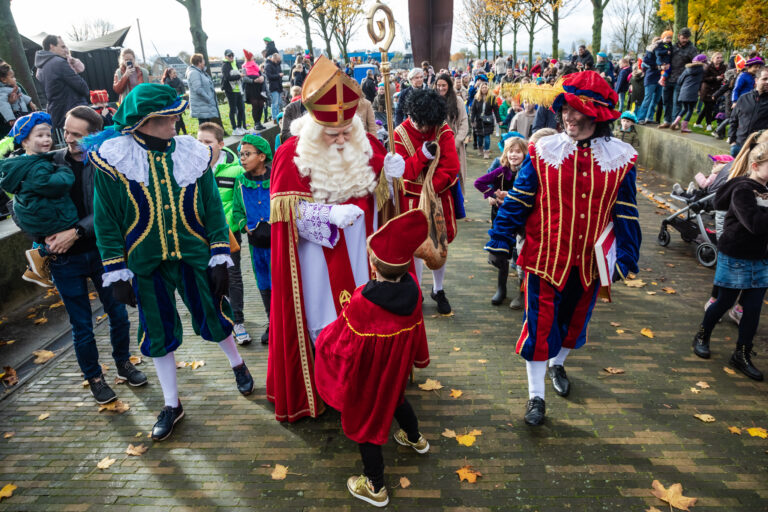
(664, 237)
(706, 254)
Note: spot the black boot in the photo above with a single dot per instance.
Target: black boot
(742, 361)
(168, 417)
(701, 344)
(518, 301)
(501, 289)
(266, 298)
(535, 412)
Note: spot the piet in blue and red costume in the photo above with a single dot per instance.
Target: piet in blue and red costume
(565, 196)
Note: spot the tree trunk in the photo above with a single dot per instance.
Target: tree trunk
(485, 47)
(13, 51)
(531, 35)
(479, 50)
(501, 40)
(199, 37)
(308, 33)
(681, 14)
(555, 34)
(597, 24)
(514, 46)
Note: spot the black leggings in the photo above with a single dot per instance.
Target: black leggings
(373, 460)
(257, 107)
(707, 113)
(751, 302)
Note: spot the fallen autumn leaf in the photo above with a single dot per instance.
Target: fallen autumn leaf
(706, 418)
(450, 434)
(280, 472)
(468, 474)
(673, 495)
(757, 432)
(7, 491)
(43, 416)
(404, 482)
(729, 371)
(456, 393)
(466, 439)
(734, 430)
(702, 384)
(105, 463)
(42, 356)
(117, 406)
(431, 385)
(136, 450)
(613, 371)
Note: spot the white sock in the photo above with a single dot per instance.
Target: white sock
(230, 349)
(437, 278)
(418, 263)
(560, 357)
(166, 373)
(537, 370)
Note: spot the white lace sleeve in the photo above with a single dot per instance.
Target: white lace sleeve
(314, 225)
(220, 259)
(116, 275)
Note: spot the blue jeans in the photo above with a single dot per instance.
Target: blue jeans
(648, 108)
(671, 105)
(70, 274)
(275, 104)
(486, 142)
(735, 150)
(622, 97)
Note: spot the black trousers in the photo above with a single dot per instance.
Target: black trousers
(751, 303)
(373, 460)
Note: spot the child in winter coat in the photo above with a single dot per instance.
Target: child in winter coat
(494, 186)
(41, 204)
(742, 262)
(689, 83)
(250, 212)
(100, 103)
(11, 108)
(626, 132)
(663, 53)
(363, 358)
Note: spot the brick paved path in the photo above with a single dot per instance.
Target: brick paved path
(600, 449)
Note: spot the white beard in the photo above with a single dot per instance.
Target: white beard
(335, 176)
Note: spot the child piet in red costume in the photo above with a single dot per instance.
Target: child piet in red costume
(364, 357)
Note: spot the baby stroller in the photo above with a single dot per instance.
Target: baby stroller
(689, 222)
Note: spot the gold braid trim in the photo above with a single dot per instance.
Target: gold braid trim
(381, 192)
(282, 205)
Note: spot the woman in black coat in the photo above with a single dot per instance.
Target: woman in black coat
(170, 77)
(484, 114)
(689, 83)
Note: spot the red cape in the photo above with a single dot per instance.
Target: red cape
(363, 362)
(290, 368)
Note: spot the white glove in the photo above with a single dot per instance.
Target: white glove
(394, 166)
(344, 215)
(426, 152)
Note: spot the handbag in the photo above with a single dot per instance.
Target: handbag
(434, 250)
(487, 119)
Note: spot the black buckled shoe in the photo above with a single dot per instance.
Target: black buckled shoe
(443, 306)
(535, 411)
(243, 379)
(701, 344)
(559, 379)
(101, 390)
(168, 417)
(742, 361)
(129, 373)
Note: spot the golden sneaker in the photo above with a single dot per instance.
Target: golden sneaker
(34, 278)
(361, 488)
(421, 446)
(38, 264)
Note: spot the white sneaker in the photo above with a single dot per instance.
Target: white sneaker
(241, 335)
(238, 131)
(697, 125)
(709, 127)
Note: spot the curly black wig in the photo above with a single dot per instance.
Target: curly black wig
(426, 107)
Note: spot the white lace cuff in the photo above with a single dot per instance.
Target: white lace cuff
(220, 259)
(313, 221)
(114, 276)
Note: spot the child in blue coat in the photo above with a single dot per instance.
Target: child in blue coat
(250, 212)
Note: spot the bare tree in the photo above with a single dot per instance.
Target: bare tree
(199, 37)
(324, 26)
(646, 11)
(472, 24)
(90, 29)
(531, 10)
(551, 14)
(345, 16)
(624, 25)
(598, 9)
(297, 9)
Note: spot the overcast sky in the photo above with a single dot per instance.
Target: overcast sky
(239, 24)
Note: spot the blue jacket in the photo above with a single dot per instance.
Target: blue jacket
(745, 82)
(652, 73)
(690, 82)
(622, 82)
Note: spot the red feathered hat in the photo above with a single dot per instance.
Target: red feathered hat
(331, 97)
(248, 55)
(590, 94)
(396, 241)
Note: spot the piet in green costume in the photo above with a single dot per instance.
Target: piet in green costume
(160, 224)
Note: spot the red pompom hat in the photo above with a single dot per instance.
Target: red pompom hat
(590, 94)
(395, 242)
(331, 97)
(99, 96)
(248, 55)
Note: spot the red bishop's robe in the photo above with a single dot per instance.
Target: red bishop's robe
(363, 362)
(408, 144)
(290, 369)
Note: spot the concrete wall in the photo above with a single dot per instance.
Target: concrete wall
(15, 291)
(679, 156)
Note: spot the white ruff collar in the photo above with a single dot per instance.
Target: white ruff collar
(190, 159)
(610, 154)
